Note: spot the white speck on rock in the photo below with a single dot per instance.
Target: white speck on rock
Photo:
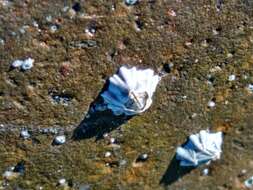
(131, 2)
(113, 7)
(27, 64)
(5, 3)
(2, 42)
(204, 43)
(205, 171)
(53, 28)
(25, 134)
(231, 77)
(9, 175)
(229, 55)
(122, 162)
(211, 104)
(143, 157)
(24, 64)
(17, 63)
(62, 182)
(216, 69)
(188, 43)
(108, 154)
(13, 33)
(22, 30)
(250, 88)
(59, 140)
(245, 77)
(172, 13)
(105, 135)
(65, 9)
(243, 172)
(35, 24)
(49, 18)
(215, 32)
(112, 140)
(193, 115)
(90, 31)
(249, 182)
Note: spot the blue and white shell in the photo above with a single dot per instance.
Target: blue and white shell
(200, 148)
(130, 90)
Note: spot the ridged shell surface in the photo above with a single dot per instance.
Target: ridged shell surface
(200, 148)
(130, 90)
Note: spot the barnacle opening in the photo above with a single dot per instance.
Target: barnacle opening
(137, 100)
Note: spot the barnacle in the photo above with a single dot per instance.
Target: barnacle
(200, 148)
(130, 91)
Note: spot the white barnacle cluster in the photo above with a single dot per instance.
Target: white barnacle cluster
(200, 148)
(24, 64)
(130, 90)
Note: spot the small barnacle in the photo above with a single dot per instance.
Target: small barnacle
(250, 88)
(62, 182)
(17, 63)
(108, 154)
(200, 148)
(205, 172)
(131, 2)
(53, 28)
(24, 64)
(171, 12)
(90, 30)
(142, 158)
(231, 77)
(59, 140)
(2, 42)
(249, 182)
(211, 104)
(49, 18)
(25, 134)
(130, 91)
(138, 25)
(27, 64)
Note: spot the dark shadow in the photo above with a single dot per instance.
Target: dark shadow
(99, 120)
(174, 172)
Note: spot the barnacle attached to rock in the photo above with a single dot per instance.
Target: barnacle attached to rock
(130, 91)
(200, 148)
(24, 64)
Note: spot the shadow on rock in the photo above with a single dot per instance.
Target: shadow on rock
(98, 121)
(174, 172)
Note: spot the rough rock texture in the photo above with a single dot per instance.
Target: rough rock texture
(205, 40)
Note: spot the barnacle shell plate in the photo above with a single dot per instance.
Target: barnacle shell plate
(200, 148)
(130, 91)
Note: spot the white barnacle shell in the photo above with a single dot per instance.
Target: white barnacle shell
(17, 63)
(27, 64)
(200, 148)
(24, 64)
(130, 91)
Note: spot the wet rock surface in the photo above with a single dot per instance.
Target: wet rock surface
(204, 48)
